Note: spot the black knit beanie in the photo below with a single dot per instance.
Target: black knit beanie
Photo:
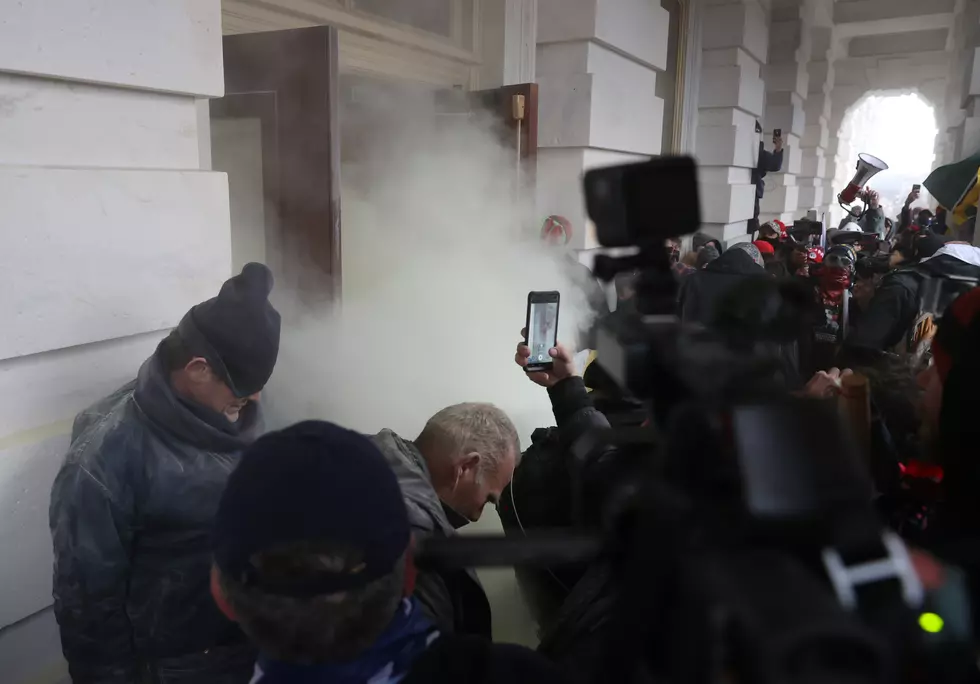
(237, 331)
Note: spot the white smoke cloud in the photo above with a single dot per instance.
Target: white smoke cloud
(438, 258)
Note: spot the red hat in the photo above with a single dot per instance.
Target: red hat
(764, 247)
(782, 228)
(556, 230)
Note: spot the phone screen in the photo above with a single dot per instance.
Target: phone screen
(542, 327)
(778, 133)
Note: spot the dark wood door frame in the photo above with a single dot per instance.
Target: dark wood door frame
(288, 80)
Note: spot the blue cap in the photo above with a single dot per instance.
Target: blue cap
(312, 482)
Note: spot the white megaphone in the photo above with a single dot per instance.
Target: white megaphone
(867, 167)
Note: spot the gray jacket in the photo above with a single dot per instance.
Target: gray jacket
(454, 600)
(131, 514)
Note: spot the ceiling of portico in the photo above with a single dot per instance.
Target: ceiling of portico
(865, 28)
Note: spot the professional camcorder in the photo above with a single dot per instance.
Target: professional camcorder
(732, 538)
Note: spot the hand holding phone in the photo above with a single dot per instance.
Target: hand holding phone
(914, 195)
(541, 329)
(559, 363)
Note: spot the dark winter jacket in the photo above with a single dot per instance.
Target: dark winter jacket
(456, 659)
(451, 659)
(702, 292)
(768, 162)
(873, 221)
(896, 304)
(455, 601)
(540, 497)
(131, 513)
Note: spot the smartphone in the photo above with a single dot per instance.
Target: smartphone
(542, 329)
(778, 133)
(916, 187)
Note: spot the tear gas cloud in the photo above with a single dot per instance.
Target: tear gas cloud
(438, 258)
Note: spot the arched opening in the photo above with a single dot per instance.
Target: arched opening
(899, 129)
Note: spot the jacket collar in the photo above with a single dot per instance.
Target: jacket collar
(196, 425)
(426, 510)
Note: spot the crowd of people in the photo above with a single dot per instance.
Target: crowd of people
(191, 547)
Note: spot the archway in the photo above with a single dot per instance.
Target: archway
(901, 129)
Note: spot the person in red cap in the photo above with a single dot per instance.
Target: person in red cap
(765, 248)
(773, 264)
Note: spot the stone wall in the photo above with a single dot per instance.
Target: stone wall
(110, 232)
(597, 64)
(735, 46)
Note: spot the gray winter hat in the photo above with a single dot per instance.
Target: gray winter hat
(751, 250)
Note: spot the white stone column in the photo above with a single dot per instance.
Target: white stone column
(850, 85)
(597, 64)
(786, 89)
(817, 167)
(109, 232)
(735, 42)
(509, 43)
(963, 91)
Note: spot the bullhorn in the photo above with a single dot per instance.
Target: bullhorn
(867, 166)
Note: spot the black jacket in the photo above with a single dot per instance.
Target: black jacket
(455, 601)
(540, 497)
(131, 514)
(768, 162)
(896, 303)
(471, 660)
(704, 291)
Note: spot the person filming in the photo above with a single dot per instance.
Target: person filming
(769, 162)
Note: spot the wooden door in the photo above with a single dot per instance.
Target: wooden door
(514, 109)
(286, 82)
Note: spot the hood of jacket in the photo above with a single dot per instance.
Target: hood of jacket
(735, 262)
(191, 423)
(967, 254)
(425, 510)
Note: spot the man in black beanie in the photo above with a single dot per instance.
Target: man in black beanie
(133, 504)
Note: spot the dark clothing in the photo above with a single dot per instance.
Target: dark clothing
(895, 306)
(455, 600)
(471, 660)
(311, 481)
(540, 495)
(131, 515)
(237, 331)
(413, 650)
(450, 659)
(904, 220)
(873, 221)
(702, 292)
(726, 286)
(769, 162)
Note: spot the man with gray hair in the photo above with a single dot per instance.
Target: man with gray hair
(463, 459)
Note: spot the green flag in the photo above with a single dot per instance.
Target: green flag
(949, 183)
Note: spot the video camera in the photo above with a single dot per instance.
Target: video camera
(743, 544)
